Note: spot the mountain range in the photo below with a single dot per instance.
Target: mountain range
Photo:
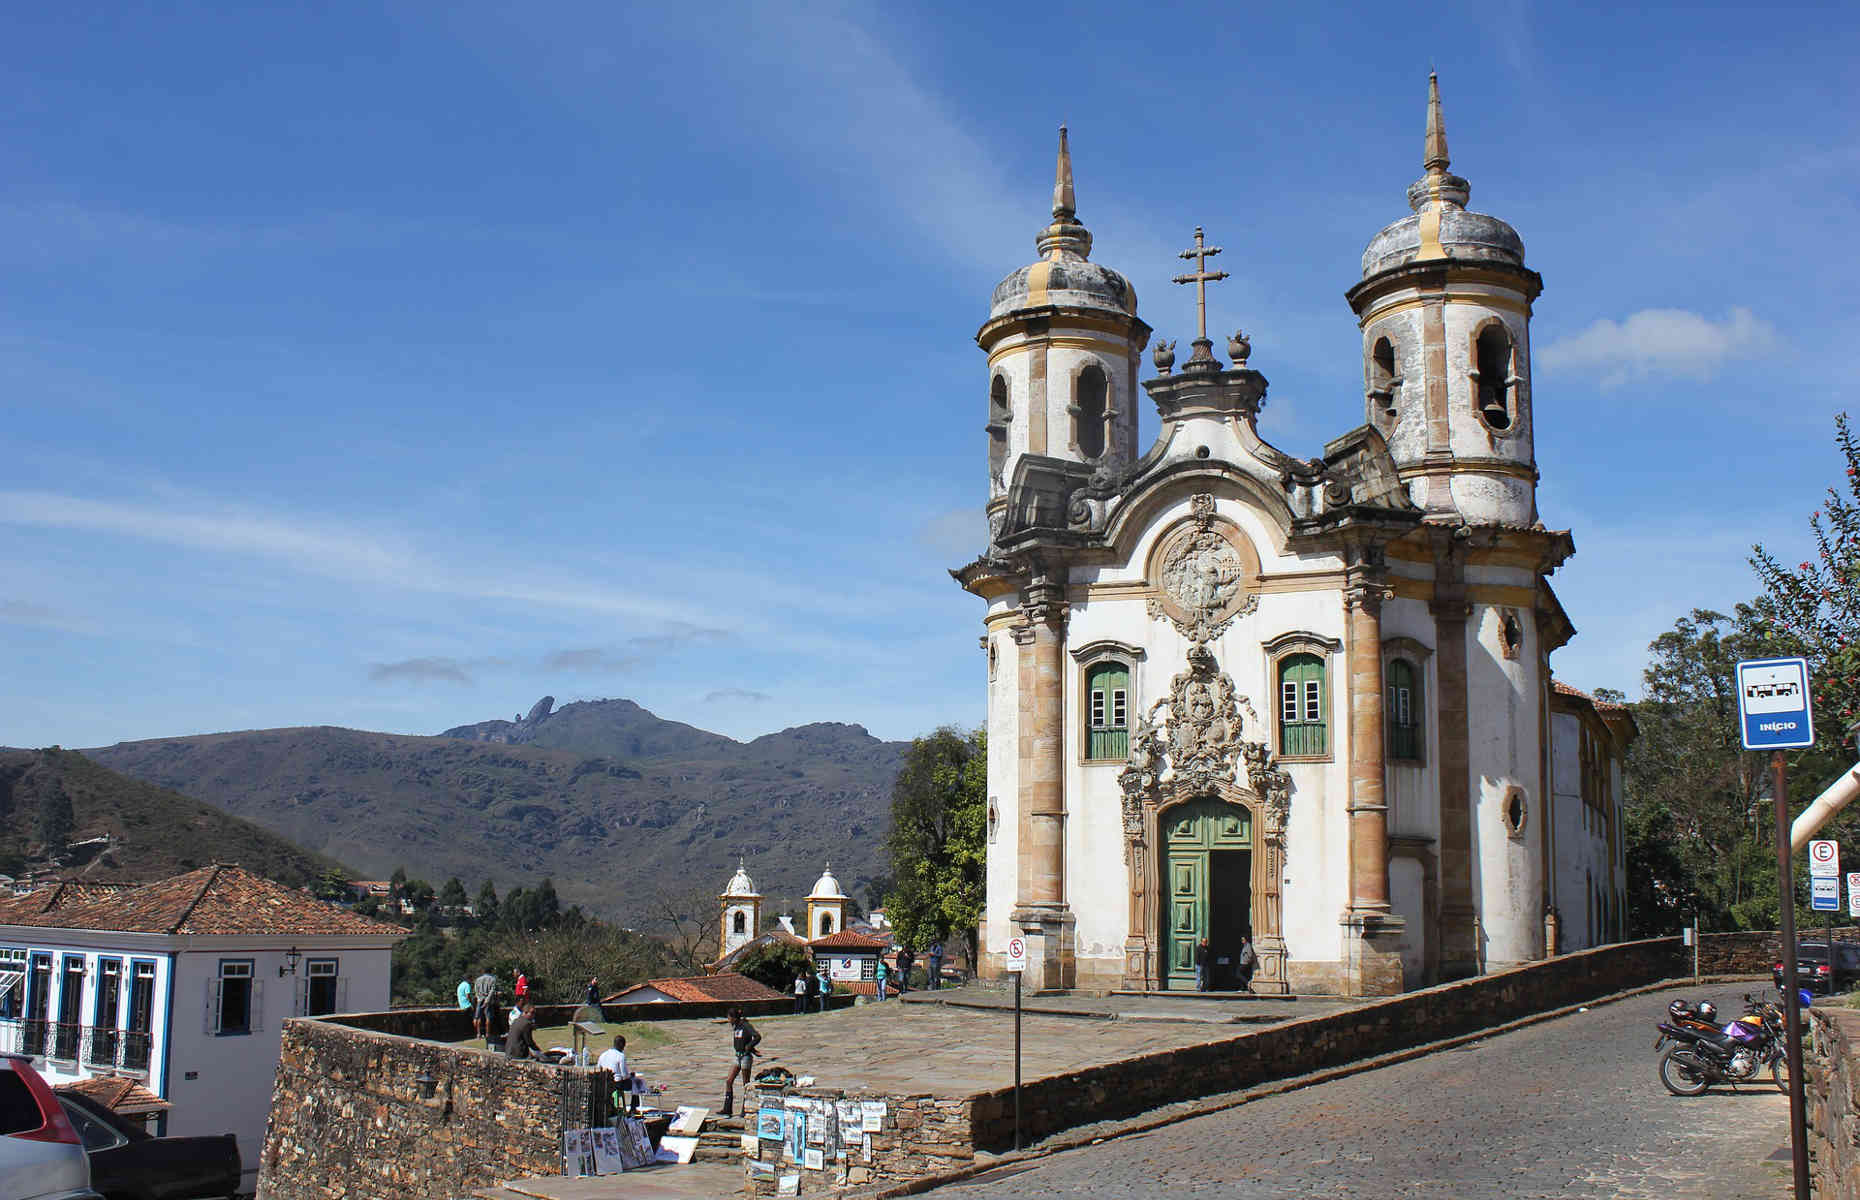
(624, 811)
(102, 825)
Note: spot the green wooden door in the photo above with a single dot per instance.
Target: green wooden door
(1196, 837)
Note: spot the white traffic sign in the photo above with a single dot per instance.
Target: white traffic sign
(1824, 893)
(1772, 704)
(1824, 858)
(1017, 954)
(1853, 893)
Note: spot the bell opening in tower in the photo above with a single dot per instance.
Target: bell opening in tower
(1090, 412)
(1494, 368)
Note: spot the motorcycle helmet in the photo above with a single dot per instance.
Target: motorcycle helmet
(1678, 1009)
(1708, 1012)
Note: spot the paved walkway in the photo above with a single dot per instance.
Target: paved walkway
(1571, 1108)
(903, 1048)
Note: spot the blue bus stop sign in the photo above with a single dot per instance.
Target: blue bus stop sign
(1773, 705)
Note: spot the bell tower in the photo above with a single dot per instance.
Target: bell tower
(740, 911)
(1445, 312)
(1063, 342)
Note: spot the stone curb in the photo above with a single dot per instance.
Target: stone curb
(1229, 1100)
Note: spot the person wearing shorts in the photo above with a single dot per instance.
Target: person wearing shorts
(743, 1042)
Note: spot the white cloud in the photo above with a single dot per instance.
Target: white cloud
(1660, 341)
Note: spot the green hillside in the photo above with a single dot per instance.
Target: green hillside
(53, 803)
(626, 811)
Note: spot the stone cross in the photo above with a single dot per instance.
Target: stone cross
(1201, 277)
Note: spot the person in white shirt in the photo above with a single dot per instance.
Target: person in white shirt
(614, 1061)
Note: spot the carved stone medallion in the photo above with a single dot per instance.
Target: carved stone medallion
(1201, 576)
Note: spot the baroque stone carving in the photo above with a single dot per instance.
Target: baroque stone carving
(1199, 745)
(1203, 579)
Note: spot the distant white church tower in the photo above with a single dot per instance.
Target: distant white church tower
(742, 910)
(826, 906)
(1235, 692)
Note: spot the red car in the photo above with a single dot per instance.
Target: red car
(41, 1157)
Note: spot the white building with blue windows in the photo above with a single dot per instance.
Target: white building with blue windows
(182, 985)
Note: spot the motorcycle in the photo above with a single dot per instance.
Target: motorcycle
(1703, 1052)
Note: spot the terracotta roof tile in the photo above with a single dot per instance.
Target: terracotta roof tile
(217, 900)
(848, 939)
(118, 1094)
(726, 985)
(1563, 689)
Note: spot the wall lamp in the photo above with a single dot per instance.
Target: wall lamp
(427, 1084)
(290, 957)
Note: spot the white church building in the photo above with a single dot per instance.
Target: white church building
(1234, 691)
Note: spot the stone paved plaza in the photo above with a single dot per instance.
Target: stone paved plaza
(948, 1050)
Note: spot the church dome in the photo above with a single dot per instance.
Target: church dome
(827, 887)
(1065, 274)
(1442, 227)
(741, 884)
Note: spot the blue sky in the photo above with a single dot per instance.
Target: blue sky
(393, 365)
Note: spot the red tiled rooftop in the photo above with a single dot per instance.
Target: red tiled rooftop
(726, 985)
(850, 939)
(117, 1094)
(217, 900)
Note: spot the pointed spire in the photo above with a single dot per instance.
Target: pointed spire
(1065, 205)
(1435, 159)
(1065, 238)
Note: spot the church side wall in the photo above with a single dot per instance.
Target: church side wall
(1413, 791)
(1575, 845)
(1504, 719)
(1003, 869)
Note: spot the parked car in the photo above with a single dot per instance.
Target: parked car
(128, 1164)
(41, 1157)
(1814, 971)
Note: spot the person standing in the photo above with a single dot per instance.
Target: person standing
(1247, 961)
(1201, 965)
(592, 998)
(906, 957)
(464, 994)
(614, 1062)
(936, 964)
(744, 1041)
(523, 986)
(800, 994)
(520, 1042)
(881, 977)
(484, 995)
(826, 987)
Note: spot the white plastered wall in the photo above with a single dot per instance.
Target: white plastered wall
(1002, 873)
(1503, 710)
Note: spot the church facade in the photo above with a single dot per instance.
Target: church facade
(1233, 691)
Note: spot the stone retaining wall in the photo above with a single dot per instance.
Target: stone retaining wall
(1753, 952)
(920, 1135)
(453, 1024)
(348, 1119)
(1137, 1085)
(1831, 1080)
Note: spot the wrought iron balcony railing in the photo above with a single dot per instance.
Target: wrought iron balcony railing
(60, 1041)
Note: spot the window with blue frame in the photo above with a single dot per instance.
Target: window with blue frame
(106, 1013)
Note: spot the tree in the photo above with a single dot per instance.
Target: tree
(487, 904)
(775, 964)
(452, 895)
(397, 884)
(331, 885)
(1695, 814)
(1816, 605)
(937, 845)
(686, 924)
(55, 817)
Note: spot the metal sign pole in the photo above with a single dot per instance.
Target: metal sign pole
(1792, 1006)
(1017, 976)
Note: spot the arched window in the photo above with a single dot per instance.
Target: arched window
(1382, 374)
(739, 922)
(1404, 711)
(1090, 412)
(999, 414)
(1107, 711)
(1493, 368)
(826, 923)
(1303, 732)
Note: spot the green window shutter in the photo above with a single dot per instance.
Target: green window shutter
(1303, 731)
(1404, 711)
(1107, 711)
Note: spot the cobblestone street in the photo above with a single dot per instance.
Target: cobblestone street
(1569, 1108)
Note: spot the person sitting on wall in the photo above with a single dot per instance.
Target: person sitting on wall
(464, 994)
(520, 1042)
